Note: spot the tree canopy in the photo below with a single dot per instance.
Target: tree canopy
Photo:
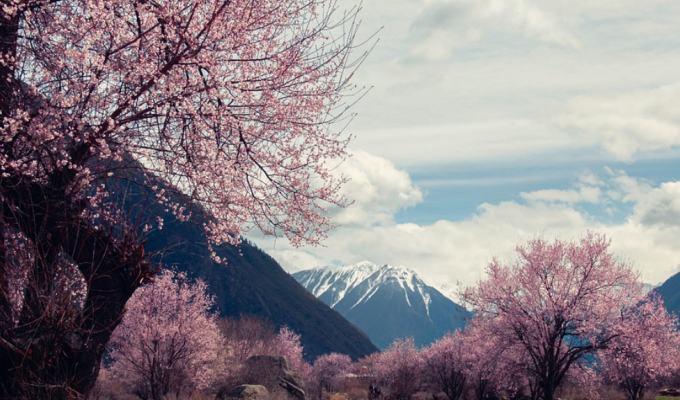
(222, 108)
(559, 301)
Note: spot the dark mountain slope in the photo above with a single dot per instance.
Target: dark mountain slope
(251, 283)
(670, 293)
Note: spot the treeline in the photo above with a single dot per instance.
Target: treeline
(565, 313)
(171, 345)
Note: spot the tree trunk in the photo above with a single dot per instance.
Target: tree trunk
(534, 390)
(481, 389)
(548, 389)
(5, 304)
(634, 389)
(57, 356)
(48, 355)
(453, 387)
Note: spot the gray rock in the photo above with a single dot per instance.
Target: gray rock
(244, 392)
(669, 392)
(274, 373)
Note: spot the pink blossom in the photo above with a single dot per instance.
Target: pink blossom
(493, 364)
(168, 341)
(558, 302)
(648, 348)
(217, 110)
(398, 370)
(328, 371)
(228, 102)
(288, 344)
(445, 365)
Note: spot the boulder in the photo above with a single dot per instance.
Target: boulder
(244, 392)
(669, 392)
(274, 373)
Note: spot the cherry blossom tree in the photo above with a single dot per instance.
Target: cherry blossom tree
(649, 348)
(583, 378)
(219, 109)
(250, 336)
(445, 365)
(246, 336)
(283, 356)
(288, 344)
(398, 370)
(327, 371)
(492, 364)
(559, 301)
(168, 340)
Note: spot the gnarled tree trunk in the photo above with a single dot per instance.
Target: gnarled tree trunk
(51, 348)
(55, 348)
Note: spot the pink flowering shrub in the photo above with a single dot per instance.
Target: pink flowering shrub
(168, 341)
(493, 365)
(250, 336)
(646, 350)
(398, 370)
(445, 365)
(288, 344)
(559, 302)
(327, 372)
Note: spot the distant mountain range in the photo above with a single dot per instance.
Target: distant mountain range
(386, 302)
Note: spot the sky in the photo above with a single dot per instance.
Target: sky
(492, 122)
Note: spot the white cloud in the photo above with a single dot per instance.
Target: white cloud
(585, 193)
(475, 66)
(491, 77)
(526, 17)
(378, 189)
(658, 207)
(483, 140)
(588, 190)
(442, 25)
(628, 123)
(439, 45)
(447, 252)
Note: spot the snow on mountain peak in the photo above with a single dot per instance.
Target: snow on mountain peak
(336, 281)
(385, 301)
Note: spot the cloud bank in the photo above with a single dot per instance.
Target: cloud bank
(474, 83)
(628, 123)
(447, 252)
(443, 25)
(378, 188)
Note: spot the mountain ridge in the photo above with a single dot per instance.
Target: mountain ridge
(669, 291)
(251, 282)
(386, 302)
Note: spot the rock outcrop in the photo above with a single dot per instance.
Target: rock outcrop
(669, 392)
(244, 392)
(274, 373)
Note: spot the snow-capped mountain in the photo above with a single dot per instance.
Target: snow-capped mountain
(386, 302)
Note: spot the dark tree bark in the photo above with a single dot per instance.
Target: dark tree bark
(58, 358)
(50, 354)
(633, 388)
